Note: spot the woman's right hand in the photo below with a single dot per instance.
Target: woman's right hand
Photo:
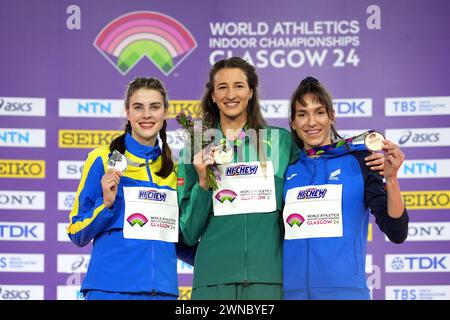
(201, 160)
(110, 182)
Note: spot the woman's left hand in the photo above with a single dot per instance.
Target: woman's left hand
(376, 162)
(394, 158)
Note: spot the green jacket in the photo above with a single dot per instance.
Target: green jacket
(243, 248)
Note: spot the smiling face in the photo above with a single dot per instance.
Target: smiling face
(231, 93)
(146, 114)
(312, 122)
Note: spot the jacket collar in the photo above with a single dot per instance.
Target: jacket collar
(141, 151)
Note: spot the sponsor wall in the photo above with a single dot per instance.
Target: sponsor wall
(65, 66)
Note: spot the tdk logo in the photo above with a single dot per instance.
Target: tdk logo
(241, 170)
(418, 263)
(21, 231)
(152, 195)
(353, 107)
(312, 193)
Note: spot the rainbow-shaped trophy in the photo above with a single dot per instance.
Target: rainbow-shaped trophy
(133, 36)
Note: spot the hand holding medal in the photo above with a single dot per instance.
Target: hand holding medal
(394, 158)
(117, 163)
(375, 141)
(224, 152)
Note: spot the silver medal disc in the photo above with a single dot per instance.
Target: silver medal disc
(117, 161)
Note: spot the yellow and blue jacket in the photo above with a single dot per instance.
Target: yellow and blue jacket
(118, 264)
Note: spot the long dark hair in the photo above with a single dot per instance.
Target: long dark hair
(119, 143)
(209, 107)
(210, 110)
(321, 95)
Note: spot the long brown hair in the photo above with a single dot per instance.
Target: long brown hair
(119, 143)
(321, 95)
(210, 110)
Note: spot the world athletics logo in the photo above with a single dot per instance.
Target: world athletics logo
(133, 36)
(295, 219)
(225, 194)
(137, 219)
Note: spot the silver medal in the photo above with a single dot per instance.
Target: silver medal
(117, 161)
(224, 154)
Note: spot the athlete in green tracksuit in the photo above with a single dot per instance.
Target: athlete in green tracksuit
(238, 256)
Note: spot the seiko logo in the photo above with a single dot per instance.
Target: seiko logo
(22, 168)
(427, 199)
(86, 138)
(189, 107)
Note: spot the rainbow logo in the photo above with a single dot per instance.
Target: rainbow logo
(133, 36)
(137, 218)
(295, 219)
(225, 194)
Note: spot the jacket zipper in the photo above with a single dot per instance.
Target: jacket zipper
(153, 262)
(307, 269)
(245, 252)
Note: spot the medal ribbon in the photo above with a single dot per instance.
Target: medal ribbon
(323, 149)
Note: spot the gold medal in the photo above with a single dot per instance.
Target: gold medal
(374, 141)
